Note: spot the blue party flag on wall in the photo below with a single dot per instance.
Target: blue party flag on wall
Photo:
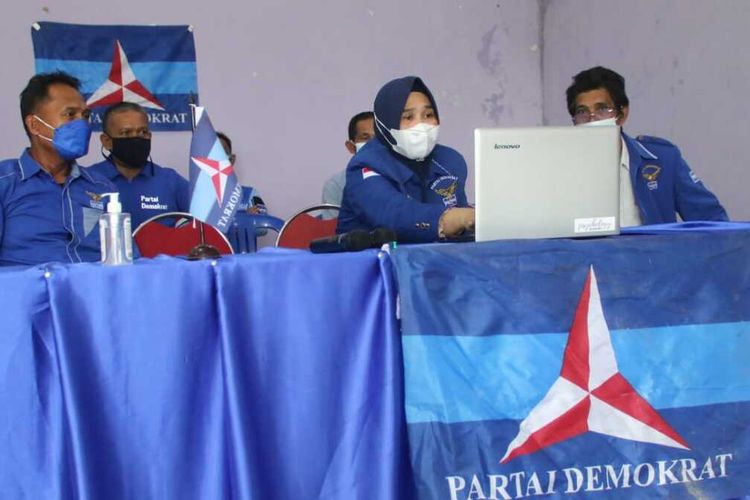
(153, 66)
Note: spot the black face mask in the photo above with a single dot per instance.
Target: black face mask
(132, 151)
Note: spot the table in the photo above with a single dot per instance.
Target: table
(285, 375)
(272, 375)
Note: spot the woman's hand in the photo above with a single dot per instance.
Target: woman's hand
(455, 221)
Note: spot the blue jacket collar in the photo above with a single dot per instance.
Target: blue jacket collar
(29, 167)
(392, 166)
(636, 148)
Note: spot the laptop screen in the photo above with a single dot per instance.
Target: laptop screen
(547, 182)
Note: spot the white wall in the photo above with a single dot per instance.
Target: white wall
(283, 77)
(687, 70)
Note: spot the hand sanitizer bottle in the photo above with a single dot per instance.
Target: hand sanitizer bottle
(114, 233)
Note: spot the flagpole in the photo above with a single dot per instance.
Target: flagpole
(192, 104)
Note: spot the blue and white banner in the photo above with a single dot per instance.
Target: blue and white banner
(153, 66)
(611, 368)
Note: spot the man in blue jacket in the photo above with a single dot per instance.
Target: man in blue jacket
(656, 183)
(146, 189)
(49, 205)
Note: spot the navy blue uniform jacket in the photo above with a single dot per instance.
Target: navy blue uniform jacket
(664, 185)
(382, 191)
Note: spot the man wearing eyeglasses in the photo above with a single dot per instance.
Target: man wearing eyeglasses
(146, 189)
(656, 183)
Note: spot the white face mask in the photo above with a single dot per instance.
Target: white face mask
(358, 145)
(416, 142)
(607, 122)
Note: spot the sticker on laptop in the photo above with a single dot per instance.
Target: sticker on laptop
(594, 225)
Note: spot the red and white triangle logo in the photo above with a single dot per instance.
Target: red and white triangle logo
(122, 85)
(591, 394)
(218, 170)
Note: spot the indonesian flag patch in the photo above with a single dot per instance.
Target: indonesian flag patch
(368, 172)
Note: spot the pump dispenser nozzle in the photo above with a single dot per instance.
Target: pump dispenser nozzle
(114, 206)
(114, 233)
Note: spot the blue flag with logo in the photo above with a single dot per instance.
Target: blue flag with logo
(153, 66)
(214, 187)
(607, 368)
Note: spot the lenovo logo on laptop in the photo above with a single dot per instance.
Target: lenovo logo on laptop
(507, 146)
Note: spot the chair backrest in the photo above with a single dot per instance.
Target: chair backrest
(247, 227)
(176, 233)
(317, 221)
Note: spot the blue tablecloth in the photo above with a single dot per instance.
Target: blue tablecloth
(275, 375)
(278, 375)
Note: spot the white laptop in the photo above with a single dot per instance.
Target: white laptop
(547, 182)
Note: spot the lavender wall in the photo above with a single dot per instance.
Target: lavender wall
(283, 77)
(687, 69)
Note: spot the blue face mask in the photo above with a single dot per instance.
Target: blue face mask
(71, 140)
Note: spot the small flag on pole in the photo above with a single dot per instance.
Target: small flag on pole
(214, 187)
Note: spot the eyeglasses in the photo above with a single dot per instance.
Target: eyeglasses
(601, 112)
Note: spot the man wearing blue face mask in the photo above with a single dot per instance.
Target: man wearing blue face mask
(656, 183)
(146, 189)
(361, 129)
(49, 206)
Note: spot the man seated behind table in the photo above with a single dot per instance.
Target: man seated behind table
(251, 201)
(146, 189)
(49, 205)
(655, 182)
(361, 129)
